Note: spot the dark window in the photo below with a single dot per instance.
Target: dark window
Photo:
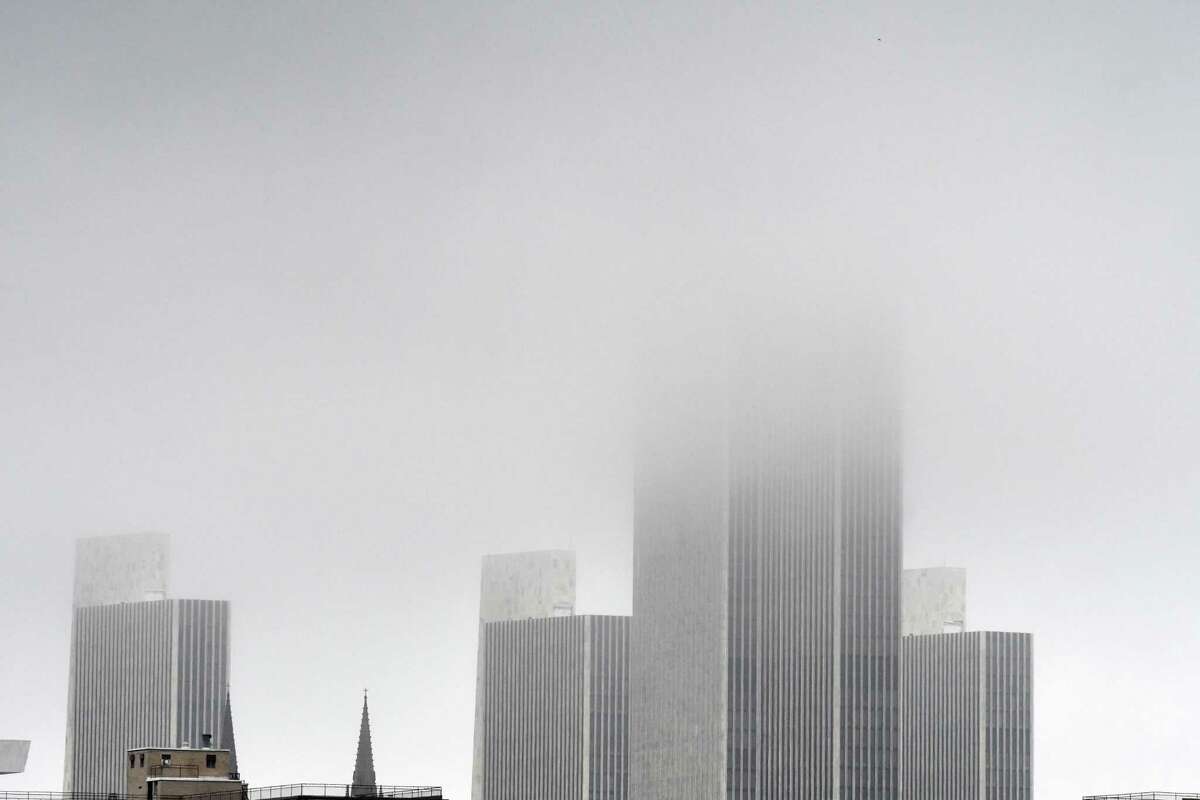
(141, 759)
(131, 760)
(166, 759)
(210, 761)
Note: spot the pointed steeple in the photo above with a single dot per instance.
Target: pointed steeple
(227, 741)
(364, 763)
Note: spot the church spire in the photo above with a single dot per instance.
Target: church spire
(227, 740)
(364, 764)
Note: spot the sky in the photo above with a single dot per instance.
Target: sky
(344, 296)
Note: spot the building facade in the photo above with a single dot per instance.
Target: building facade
(516, 586)
(967, 716)
(142, 670)
(555, 718)
(767, 552)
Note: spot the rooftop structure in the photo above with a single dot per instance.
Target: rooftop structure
(1146, 796)
(13, 755)
(121, 569)
(933, 600)
(170, 773)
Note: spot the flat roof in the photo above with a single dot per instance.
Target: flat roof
(202, 778)
(181, 749)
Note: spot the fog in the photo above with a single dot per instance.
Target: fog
(343, 297)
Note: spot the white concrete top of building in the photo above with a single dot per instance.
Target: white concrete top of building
(13, 755)
(121, 569)
(933, 600)
(527, 585)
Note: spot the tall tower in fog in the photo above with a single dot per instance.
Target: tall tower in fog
(145, 670)
(767, 555)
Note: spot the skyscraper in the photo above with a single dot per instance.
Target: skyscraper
(515, 586)
(142, 670)
(967, 710)
(966, 701)
(555, 719)
(767, 552)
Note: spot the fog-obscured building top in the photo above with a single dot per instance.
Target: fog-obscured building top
(933, 601)
(767, 522)
(121, 569)
(13, 755)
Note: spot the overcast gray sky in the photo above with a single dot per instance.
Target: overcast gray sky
(343, 296)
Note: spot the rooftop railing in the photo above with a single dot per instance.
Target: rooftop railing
(63, 796)
(1146, 796)
(321, 790)
(167, 771)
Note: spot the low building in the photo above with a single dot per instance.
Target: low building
(1146, 796)
(13, 755)
(167, 773)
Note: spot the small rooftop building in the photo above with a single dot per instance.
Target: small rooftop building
(165, 773)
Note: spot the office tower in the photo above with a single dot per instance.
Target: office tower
(555, 722)
(141, 670)
(966, 699)
(767, 551)
(934, 600)
(967, 716)
(13, 755)
(362, 782)
(516, 586)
